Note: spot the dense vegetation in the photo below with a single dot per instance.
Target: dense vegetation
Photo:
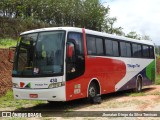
(90, 14)
(83, 13)
(17, 16)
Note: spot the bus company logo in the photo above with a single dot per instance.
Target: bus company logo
(22, 85)
(133, 66)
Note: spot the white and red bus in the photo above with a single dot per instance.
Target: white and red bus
(67, 63)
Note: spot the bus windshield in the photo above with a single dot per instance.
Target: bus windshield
(39, 54)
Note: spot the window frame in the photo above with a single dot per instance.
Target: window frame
(95, 37)
(119, 47)
(111, 39)
(148, 51)
(82, 42)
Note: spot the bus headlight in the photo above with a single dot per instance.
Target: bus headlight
(15, 85)
(55, 85)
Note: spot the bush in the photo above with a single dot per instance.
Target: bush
(12, 27)
(7, 42)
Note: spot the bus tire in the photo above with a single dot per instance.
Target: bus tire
(138, 85)
(93, 95)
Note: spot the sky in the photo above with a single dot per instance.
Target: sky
(141, 16)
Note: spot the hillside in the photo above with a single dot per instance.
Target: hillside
(5, 71)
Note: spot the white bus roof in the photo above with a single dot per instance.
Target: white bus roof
(87, 31)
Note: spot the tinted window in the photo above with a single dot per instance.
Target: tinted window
(135, 50)
(109, 47)
(115, 48)
(145, 51)
(128, 46)
(78, 39)
(139, 49)
(99, 46)
(123, 49)
(91, 45)
(151, 52)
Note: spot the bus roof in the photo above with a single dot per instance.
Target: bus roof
(92, 32)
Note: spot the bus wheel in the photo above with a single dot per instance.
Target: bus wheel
(138, 85)
(93, 95)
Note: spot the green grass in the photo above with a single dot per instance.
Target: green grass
(157, 82)
(135, 94)
(8, 101)
(5, 43)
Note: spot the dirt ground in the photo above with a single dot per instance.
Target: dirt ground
(122, 101)
(148, 100)
(5, 72)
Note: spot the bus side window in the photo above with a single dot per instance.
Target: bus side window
(109, 47)
(128, 45)
(151, 52)
(78, 39)
(115, 49)
(99, 46)
(123, 49)
(145, 51)
(137, 50)
(91, 45)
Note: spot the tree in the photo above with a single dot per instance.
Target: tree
(146, 37)
(108, 26)
(133, 35)
(90, 14)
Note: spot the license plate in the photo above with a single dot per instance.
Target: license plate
(33, 95)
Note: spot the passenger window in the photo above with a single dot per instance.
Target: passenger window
(139, 48)
(78, 39)
(109, 47)
(145, 51)
(151, 52)
(115, 48)
(135, 50)
(91, 45)
(128, 46)
(123, 49)
(99, 46)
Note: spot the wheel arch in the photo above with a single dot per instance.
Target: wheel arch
(98, 85)
(139, 76)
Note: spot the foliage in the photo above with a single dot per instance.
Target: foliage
(135, 94)
(137, 36)
(108, 26)
(157, 82)
(17, 16)
(12, 27)
(9, 101)
(5, 43)
(90, 14)
(133, 35)
(157, 50)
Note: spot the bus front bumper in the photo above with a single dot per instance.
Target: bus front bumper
(55, 94)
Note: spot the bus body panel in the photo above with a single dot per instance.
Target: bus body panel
(113, 74)
(39, 86)
(55, 94)
(106, 70)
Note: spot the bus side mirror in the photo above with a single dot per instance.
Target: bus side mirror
(11, 54)
(70, 52)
